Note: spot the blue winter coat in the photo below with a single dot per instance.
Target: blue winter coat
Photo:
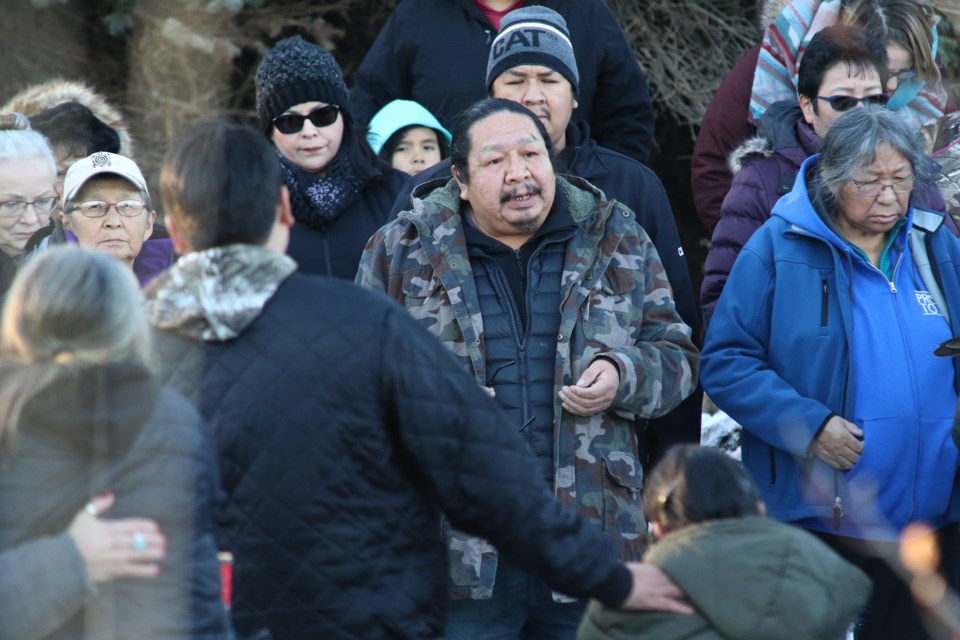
(780, 357)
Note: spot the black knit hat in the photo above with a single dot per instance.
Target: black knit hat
(533, 35)
(293, 72)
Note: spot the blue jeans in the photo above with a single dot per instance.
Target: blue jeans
(522, 608)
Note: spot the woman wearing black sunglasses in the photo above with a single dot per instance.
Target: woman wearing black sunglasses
(341, 192)
(843, 68)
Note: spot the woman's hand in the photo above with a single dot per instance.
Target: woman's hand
(839, 444)
(128, 548)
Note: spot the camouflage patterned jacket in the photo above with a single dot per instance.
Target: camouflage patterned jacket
(615, 301)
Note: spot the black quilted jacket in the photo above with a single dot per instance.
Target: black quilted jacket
(343, 429)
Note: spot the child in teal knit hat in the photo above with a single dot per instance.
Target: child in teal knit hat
(408, 137)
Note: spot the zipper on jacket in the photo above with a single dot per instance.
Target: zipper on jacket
(824, 301)
(837, 502)
(326, 251)
(773, 466)
(892, 280)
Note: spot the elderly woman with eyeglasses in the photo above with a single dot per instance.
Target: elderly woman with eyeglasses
(106, 207)
(340, 191)
(822, 347)
(28, 176)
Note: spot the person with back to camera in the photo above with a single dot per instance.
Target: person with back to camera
(83, 415)
(91, 551)
(711, 533)
(344, 436)
(408, 137)
(822, 347)
(435, 52)
(907, 28)
(341, 192)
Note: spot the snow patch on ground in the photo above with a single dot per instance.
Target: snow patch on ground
(721, 431)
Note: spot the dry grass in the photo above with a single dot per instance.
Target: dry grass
(686, 47)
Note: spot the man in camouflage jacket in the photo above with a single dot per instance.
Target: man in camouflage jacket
(616, 314)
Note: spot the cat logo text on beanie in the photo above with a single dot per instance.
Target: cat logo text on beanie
(533, 36)
(524, 34)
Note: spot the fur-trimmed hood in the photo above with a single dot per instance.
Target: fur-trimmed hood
(39, 97)
(781, 127)
(757, 146)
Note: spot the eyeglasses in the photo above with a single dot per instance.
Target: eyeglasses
(99, 208)
(904, 74)
(319, 117)
(845, 103)
(15, 208)
(873, 189)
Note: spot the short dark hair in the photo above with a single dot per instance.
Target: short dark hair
(221, 183)
(73, 127)
(694, 484)
(460, 146)
(852, 46)
(386, 151)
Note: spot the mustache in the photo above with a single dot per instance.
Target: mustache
(523, 190)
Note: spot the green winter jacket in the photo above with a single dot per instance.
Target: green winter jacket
(748, 579)
(615, 301)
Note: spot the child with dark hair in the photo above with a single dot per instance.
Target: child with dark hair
(74, 132)
(746, 576)
(408, 137)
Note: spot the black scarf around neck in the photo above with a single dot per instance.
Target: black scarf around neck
(319, 200)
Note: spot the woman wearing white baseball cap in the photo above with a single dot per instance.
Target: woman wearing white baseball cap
(106, 207)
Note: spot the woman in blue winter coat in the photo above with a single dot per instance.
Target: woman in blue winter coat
(822, 348)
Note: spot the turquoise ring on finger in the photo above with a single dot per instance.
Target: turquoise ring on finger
(139, 541)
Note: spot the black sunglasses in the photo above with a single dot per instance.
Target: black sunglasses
(319, 117)
(845, 103)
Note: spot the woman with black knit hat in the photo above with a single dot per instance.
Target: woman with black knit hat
(340, 190)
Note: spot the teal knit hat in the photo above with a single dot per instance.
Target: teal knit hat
(398, 114)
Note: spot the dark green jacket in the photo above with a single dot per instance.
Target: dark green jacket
(747, 578)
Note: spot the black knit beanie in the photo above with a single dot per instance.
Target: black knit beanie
(293, 72)
(533, 35)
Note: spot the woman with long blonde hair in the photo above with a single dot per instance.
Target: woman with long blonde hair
(81, 415)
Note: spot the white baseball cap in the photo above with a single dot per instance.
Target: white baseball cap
(101, 163)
